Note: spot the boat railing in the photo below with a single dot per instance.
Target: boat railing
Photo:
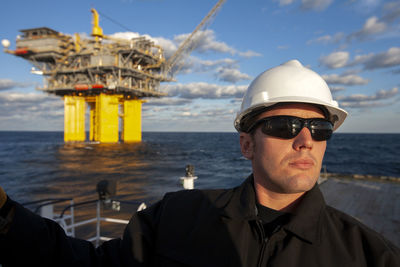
(106, 190)
(66, 218)
(45, 208)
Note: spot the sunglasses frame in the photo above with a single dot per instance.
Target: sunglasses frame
(317, 133)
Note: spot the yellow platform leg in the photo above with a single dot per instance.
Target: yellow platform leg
(132, 119)
(106, 119)
(92, 117)
(74, 119)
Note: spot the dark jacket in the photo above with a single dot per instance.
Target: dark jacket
(207, 228)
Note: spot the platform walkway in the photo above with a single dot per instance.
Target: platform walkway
(375, 203)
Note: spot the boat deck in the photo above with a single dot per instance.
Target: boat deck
(375, 203)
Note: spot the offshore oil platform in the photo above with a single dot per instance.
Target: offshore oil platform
(110, 75)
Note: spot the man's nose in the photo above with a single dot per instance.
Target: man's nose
(303, 140)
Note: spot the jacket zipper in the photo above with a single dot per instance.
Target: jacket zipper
(264, 243)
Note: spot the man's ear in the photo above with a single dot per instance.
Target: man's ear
(246, 145)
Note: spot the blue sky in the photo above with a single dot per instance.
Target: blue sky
(353, 44)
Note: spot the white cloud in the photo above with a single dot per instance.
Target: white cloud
(335, 60)
(205, 90)
(345, 79)
(328, 39)
(187, 114)
(362, 104)
(249, 54)
(315, 4)
(218, 62)
(351, 71)
(231, 75)
(386, 59)
(337, 89)
(322, 39)
(28, 106)
(382, 94)
(7, 84)
(285, 2)
(366, 6)
(361, 100)
(217, 112)
(371, 27)
(207, 65)
(205, 41)
(194, 64)
(391, 11)
(360, 59)
(283, 47)
(126, 35)
(371, 61)
(166, 101)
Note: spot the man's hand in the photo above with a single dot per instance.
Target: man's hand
(3, 197)
(6, 213)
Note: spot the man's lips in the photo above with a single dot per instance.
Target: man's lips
(303, 164)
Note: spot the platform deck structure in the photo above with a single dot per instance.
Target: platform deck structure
(108, 76)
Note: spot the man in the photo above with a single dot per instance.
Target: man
(277, 217)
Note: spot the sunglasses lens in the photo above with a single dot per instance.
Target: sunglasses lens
(321, 130)
(282, 127)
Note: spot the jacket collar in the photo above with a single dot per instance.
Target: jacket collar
(240, 204)
(306, 219)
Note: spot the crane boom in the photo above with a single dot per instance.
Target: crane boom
(185, 45)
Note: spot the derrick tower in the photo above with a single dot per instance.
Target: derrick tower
(110, 75)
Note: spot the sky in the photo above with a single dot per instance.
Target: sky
(353, 44)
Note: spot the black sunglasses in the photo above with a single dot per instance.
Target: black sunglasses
(287, 127)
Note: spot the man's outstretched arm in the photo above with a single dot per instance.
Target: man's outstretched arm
(28, 239)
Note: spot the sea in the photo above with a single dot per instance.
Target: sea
(37, 165)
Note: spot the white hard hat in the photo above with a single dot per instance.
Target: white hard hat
(289, 82)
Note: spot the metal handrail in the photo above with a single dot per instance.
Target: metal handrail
(76, 205)
(46, 202)
(70, 227)
(98, 219)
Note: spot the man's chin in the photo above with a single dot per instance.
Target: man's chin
(299, 183)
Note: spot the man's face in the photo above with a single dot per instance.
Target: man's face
(285, 166)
